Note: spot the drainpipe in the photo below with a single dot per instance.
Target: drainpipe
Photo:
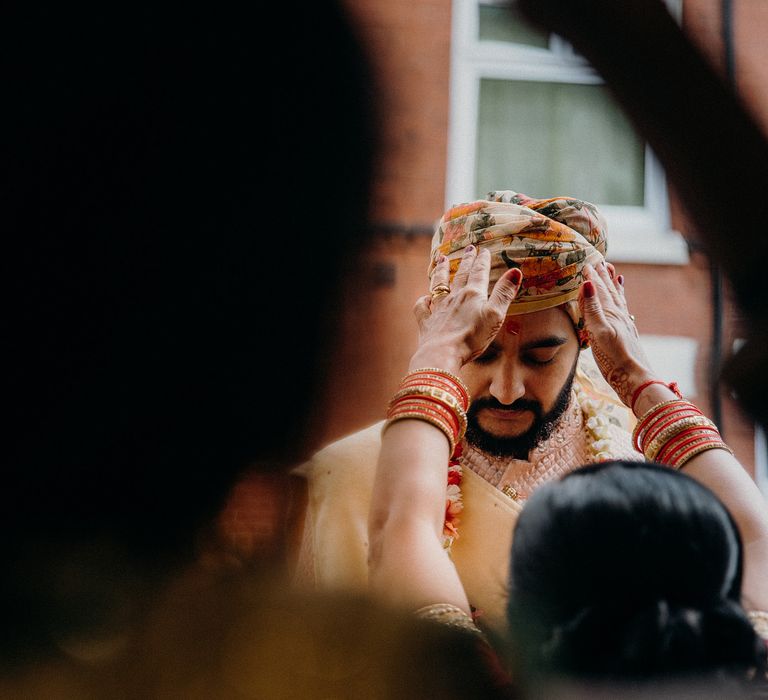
(716, 277)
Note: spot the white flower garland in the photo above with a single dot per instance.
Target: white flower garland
(597, 422)
(453, 503)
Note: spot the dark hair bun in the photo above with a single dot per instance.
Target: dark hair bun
(656, 639)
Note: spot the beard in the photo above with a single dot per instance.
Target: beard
(518, 446)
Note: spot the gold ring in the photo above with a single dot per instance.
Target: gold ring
(440, 290)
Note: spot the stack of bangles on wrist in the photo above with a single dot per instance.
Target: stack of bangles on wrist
(672, 432)
(435, 396)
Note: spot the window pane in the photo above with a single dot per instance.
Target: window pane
(548, 139)
(506, 24)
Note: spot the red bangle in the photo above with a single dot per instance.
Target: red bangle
(648, 419)
(680, 460)
(664, 422)
(683, 440)
(672, 385)
(421, 403)
(673, 458)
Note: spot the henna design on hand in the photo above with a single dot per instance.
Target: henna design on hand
(617, 377)
(619, 381)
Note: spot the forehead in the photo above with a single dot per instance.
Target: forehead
(539, 324)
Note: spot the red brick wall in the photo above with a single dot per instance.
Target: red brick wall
(702, 21)
(409, 46)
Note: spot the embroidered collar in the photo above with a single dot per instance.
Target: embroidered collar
(581, 436)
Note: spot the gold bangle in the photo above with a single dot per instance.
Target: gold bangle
(652, 449)
(406, 402)
(759, 620)
(445, 397)
(445, 373)
(419, 415)
(449, 615)
(659, 405)
(703, 448)
(677, 426)
(689, 441)
(667, 406)
(435, 382)
(679, 412)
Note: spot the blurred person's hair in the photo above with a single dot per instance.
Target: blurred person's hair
(627, 571)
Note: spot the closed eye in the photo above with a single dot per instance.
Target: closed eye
(540, 358)
(542, 351)
(487, 357)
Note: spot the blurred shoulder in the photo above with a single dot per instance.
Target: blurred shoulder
(355, 450)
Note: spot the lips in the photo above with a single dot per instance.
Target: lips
(506, 413)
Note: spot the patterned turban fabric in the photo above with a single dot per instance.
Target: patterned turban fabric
(550, 240)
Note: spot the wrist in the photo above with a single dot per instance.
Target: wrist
(434, 356)
(651, 392)
(625, 379)
(433, 395)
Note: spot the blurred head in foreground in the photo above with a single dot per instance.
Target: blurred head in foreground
(628, 571)
(152, 282)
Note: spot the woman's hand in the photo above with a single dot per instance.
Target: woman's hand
(613, 336)
(407, 563)
(617, 350)
(458, 320)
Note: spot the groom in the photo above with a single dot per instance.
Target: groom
(539, 406)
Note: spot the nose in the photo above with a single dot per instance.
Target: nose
(507, 383)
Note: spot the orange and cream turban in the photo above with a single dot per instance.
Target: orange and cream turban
(550, 240)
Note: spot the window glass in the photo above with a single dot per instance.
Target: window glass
(549, 138)
(506, 24)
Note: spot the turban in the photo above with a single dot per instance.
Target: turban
(549, 240)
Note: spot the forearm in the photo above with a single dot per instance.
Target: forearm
(410, 477)
(407, 562)
(426, 419)
(722, 473)
(411, 569)
(671, 430)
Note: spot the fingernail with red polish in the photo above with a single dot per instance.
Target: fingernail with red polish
(441, 259)
(468, 249)
(589, 290)
(516, 277)
(620, 280)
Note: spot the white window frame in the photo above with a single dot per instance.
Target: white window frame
(761, 461)
(635, 234)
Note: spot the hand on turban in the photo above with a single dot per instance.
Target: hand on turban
(550, 240)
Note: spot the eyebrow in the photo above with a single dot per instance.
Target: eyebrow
(552, 341)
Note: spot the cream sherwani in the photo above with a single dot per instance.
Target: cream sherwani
(340, 479)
